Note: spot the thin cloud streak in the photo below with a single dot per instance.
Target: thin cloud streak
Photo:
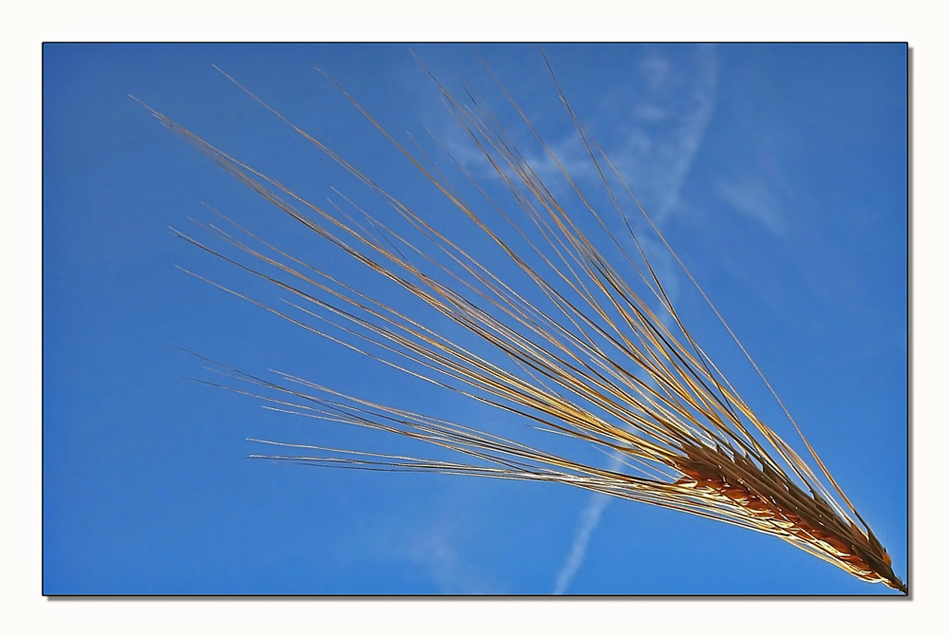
(665, 160)
(590, 519)
(755, 201)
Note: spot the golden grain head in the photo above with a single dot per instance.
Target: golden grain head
(591, 360)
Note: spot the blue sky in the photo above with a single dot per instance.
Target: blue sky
(777, 172)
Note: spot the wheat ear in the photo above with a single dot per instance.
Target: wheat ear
(589, 358)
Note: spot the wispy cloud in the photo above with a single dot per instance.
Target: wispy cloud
(755, 200)
(666, 108)
(437, 548)
(589, 520)
(650, 124)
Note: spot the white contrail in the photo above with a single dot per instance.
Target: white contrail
(681, 150)
(590, 518)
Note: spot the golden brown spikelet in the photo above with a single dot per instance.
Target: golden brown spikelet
(593, 361)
